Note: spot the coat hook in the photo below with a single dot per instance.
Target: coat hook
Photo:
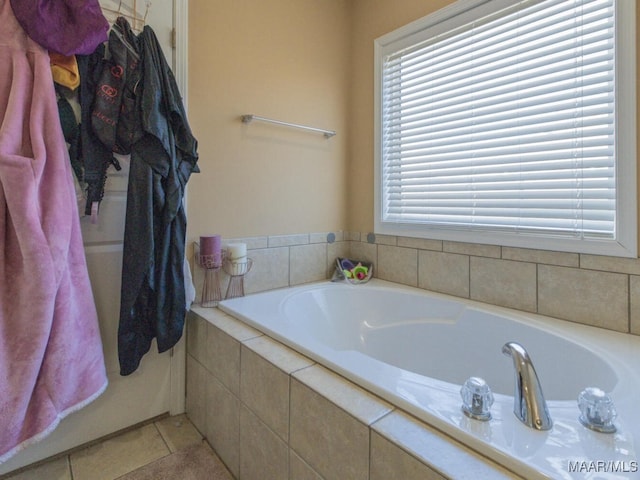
(146, 11)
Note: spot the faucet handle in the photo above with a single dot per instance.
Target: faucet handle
(476, 399)
(597, 411)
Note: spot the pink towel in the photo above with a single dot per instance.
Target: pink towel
(51, 360)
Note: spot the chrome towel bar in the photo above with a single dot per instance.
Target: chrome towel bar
(250, 117)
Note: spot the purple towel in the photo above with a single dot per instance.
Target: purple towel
(51, 359)
(67, 27)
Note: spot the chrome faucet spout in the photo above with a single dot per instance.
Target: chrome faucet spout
(529, 404)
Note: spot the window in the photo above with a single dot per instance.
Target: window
(510, 123)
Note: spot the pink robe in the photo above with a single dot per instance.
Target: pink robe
(51, 359)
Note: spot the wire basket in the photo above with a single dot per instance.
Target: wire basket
(237, 271)
(354, 271)
(211, 293)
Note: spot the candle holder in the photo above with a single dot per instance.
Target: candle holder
(237, 271)
(210, 261)
(211, 293)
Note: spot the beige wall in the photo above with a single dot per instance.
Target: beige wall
(302, 61)
(283, 59)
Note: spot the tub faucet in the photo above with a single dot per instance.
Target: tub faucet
(529, 404)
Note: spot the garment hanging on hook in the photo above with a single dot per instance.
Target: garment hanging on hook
(114, 113)
(153, 297)
(67, 27)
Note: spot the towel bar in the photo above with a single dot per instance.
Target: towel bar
(248, 118)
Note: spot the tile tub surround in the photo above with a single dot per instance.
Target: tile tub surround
(270, 412)
(590, 289)
(594, 290)
(283, 260)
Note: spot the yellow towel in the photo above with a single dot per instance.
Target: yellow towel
(65, 70)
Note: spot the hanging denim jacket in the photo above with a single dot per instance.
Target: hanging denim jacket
(153, 294)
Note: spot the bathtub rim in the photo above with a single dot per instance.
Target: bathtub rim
(556, 326)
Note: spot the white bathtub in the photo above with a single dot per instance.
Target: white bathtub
(415, 348)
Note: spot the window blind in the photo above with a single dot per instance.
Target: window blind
(506, 123)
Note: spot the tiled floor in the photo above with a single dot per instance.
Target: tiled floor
(118, 455)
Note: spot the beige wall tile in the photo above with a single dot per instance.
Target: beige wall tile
(308, 263)
(264, 389)
(270, 269)
(353, 236)
(634, 285)
(196, 336)
(477, 249)
(389, 461)
(222, 358)
(228, 324)
(397, 264)
(381, 239)
(299, 470)
(420, 243)
(441, 453)
(336, 250)
(330, 440)
(444, 272)
(288, 240)
(610, 264)
(339, 236)
(252, 242)
(279, 355)
(365, 252)
(541, 256)
(503, 282)
(223, 424)
(195, 396)
(364, 406)
(491, 285)
(594, 298)
(321, 237)
(263, 455)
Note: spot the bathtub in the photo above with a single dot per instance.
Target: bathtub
(416, 348)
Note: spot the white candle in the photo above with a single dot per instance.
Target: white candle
(237, 252)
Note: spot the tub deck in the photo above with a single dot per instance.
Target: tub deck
(352, 329)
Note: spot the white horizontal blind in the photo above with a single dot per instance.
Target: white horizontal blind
(505, 124)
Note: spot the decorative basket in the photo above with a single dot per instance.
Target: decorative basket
(354, 271)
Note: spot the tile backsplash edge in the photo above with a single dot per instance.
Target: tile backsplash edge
(594, 290)
(282, 260)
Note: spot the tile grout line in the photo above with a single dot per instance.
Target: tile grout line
(69, 467)
(163, 440)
